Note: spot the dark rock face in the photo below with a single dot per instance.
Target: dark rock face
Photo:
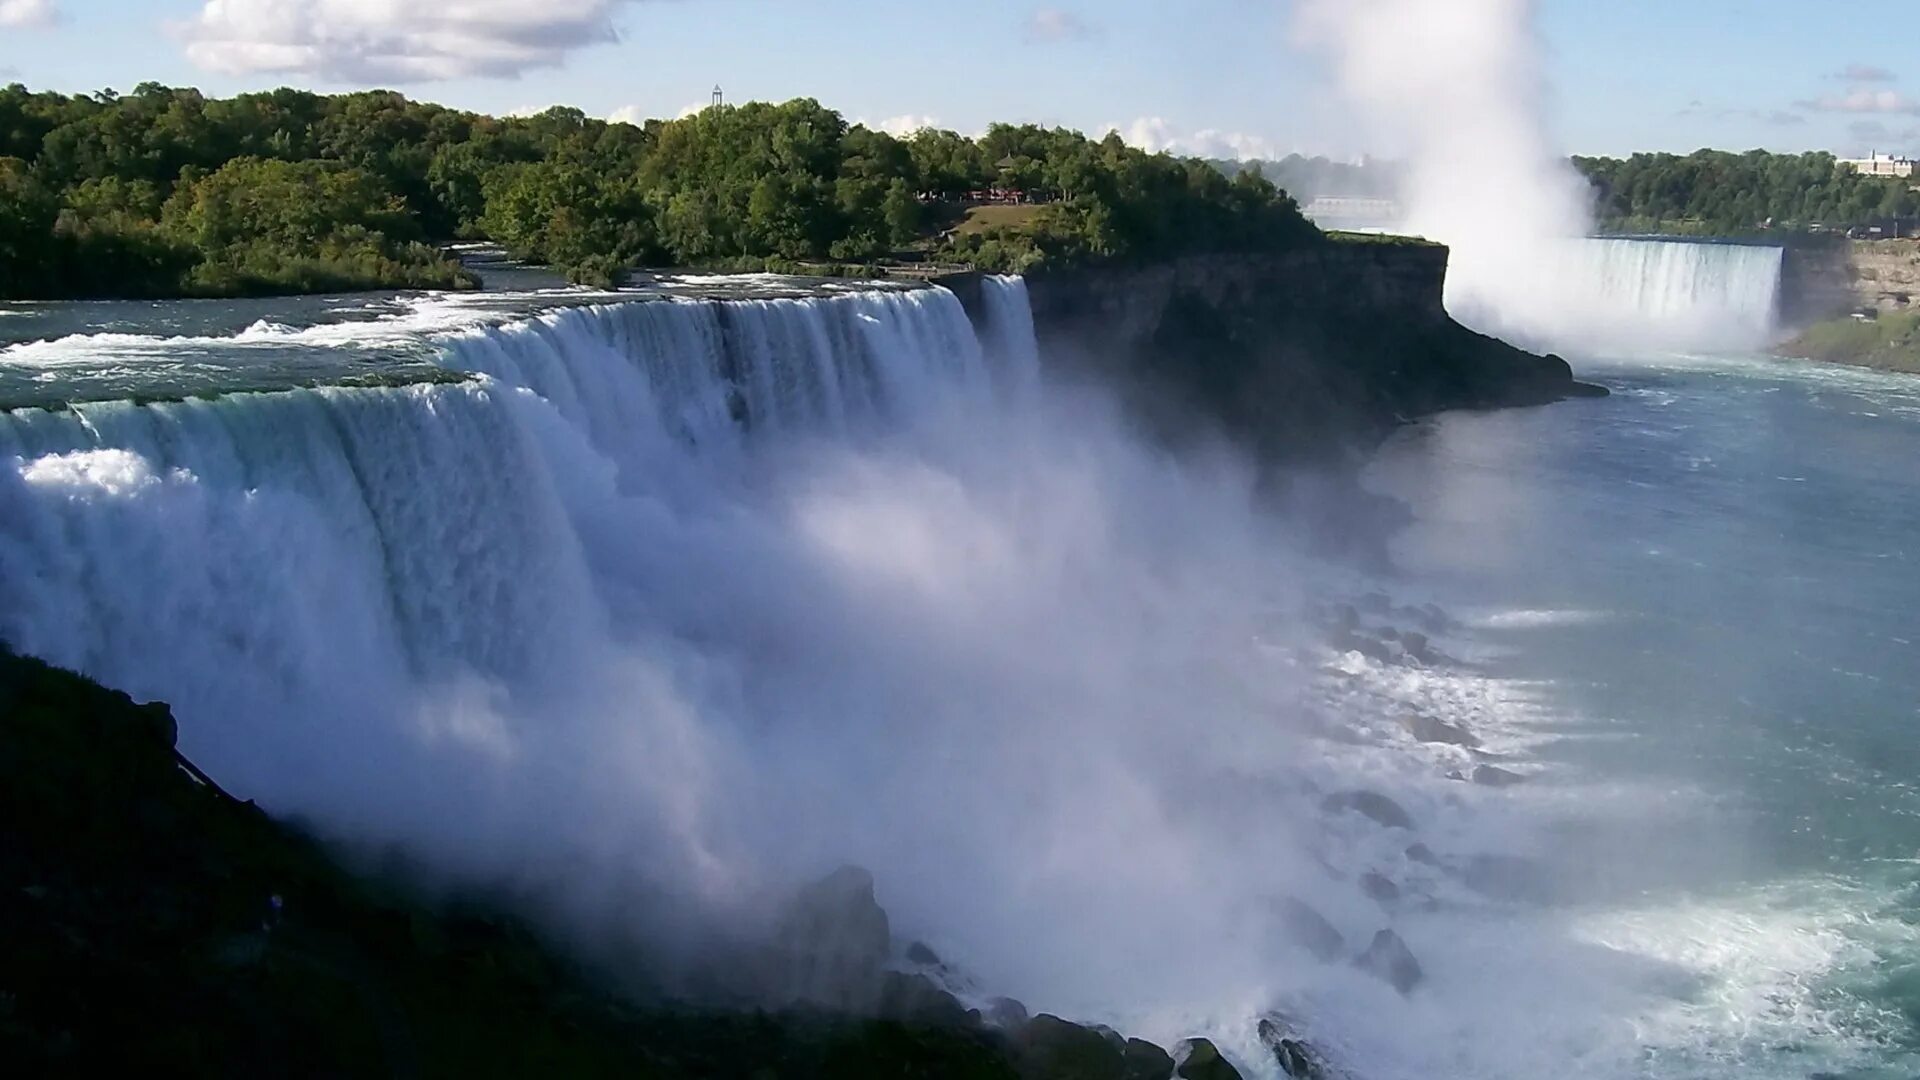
(1428, 729)
(1145, 1061)
(920, 953)
(1050, 1048)
(1370, 804)
(832, 945)
(1389, 959)
(1379, 887)
(1422, 854)
(1302, 354)
(1201, 1060)
(1309, 929)
(1007, 1013)
(147, 917)
(1419, 647)
(1489, 776)
(1296, 1058)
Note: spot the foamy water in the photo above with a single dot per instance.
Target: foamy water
(696, 600)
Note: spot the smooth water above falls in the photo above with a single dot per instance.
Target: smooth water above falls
(668, 604)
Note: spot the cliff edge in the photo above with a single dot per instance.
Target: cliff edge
(1303, 355)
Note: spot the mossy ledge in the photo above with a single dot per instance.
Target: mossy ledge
(153, 923)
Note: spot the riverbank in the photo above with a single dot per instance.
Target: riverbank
(1887, 342)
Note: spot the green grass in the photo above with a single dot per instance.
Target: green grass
(979, 219)
(1389, 239)
(1890, 343)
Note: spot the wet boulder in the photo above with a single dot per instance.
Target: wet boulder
(1145, 1061)
(1201, 1060)
(1050, 1048)
(1430, 729)
(1419, 648)
(1295, 1057)
(916, 999)
(1369, 804)
(1007, 1014)
(832, 945)
(1307, 928)
(1379, 888)
(1389, 959)
(1491, 776)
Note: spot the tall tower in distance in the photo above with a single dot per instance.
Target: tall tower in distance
(719, 96)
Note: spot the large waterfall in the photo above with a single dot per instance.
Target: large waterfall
(297, 571)
(1628, 293)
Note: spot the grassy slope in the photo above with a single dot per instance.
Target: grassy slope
(1889, 343)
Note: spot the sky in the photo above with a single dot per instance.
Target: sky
(1216, 77)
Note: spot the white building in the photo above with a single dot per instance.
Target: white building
(1878, 164)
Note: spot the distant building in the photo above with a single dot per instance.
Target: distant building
(1878, 164)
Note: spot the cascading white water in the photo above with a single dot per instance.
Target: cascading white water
(679, 603)
(1616, 293)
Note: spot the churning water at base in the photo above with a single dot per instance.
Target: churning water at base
(677, 603)
(1627, 293)
(1711, 580)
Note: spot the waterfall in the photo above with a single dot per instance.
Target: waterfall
(1617, 293)
(1686, 287)
(324, 559)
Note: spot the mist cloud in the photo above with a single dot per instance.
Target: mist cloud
(1461, 85)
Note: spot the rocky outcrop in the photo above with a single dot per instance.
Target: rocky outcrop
(1370, 804)
(1302, 354)
(1834, 278)
(1201, 1060)
(1389, 959)
(149, 920)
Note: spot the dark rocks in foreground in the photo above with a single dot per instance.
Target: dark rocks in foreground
(151, 923)
(1429, 729)
(1201, 1060)
(1389, 958)
(1369, 804)
(1491, 776)
(1296, 1058)
(1309, 929)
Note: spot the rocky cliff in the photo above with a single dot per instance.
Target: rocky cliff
(1839, 278)
(1302, 355)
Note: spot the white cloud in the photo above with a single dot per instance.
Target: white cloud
(392, 40)
(24, 14)
(638, 115)
(902, 126)
(1864, 73)
(1055, 24)
(1155, 135)
(1886, 102)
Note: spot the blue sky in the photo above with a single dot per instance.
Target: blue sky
(1199, 75)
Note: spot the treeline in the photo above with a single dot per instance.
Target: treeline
(1718, 193)
(1309, 178)
(165, 191)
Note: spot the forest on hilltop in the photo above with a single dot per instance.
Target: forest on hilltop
(165, 192)
(1716, 193)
